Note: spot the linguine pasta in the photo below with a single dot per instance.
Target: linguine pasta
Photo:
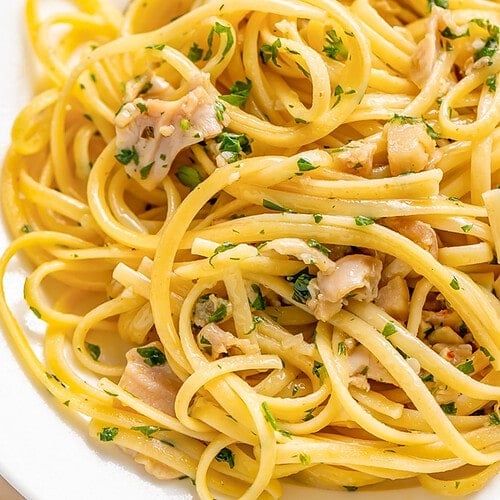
(264, 237)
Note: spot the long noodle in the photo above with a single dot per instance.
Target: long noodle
(268, 232)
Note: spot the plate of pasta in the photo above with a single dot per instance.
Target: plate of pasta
(250, 250)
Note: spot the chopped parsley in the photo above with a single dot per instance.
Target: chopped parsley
(303, 70)
(234, 144)
(494, 418)
(238, 93)
(449, 408)
(305, 165)
(454, 283)
(316, 244)
(467, 367)
(26, 229)
(317, 218)
(152, 355)
(429, 377)
(219, 29)
(300, 285)
(341, 349)
(272, 421)
(274, 206)
(491, 43)
(94, 350)
(269, 52)
(218, 315)
(361, 220)
(318, 369)
(225, 455)
(466, 228)
(158, 46)
(125, 156)
(144, 171)
(334, 47)
(223, 247)
(147, 430)
(350, 488)
(108, 433)
(389, 329)
(36, 312)
(195, 53)
(438, 3)
(448, 33)
(259, 302)
(304, 458)
(491, 83)
(188, 176)
(142, 107)
(486, 353)
(219, 110)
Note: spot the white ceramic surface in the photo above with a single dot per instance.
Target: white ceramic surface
(44, 450)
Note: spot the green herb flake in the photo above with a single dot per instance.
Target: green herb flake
(304, 458)
(305, 165)
(491, 83)
(486, 353)
(147, 430)
(223, 247)
(389, 329)
(218, 315)
(466, 367)
(334, 47)
(454, 283)
(26, 229)
(317, 218)
(225, 455)
(494, 418)
(438, 3)
(93, 350)
(219, 111)
(270, 52)
(303, 70)
(185, 124)
(125, 156)
(451, 35)
(350, 488)
(466, 228)
(108, 433)
(316, 244)
(152, 355)
(449, 408)
(272, 421)
(188, 176)
(428, 377)
(145, 171)
(195, 53)
(158, 46)
(219, 29)
(318, 369)
(142, 107)
(234, 144)
(146, 88)
(301, 281)
(274, 206)
(259, 302)
(341, 349)
(36, 312)
(238, 93)
(361, 220)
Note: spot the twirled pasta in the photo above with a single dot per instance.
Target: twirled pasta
(273, 233)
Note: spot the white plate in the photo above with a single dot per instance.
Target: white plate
(44, 450)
